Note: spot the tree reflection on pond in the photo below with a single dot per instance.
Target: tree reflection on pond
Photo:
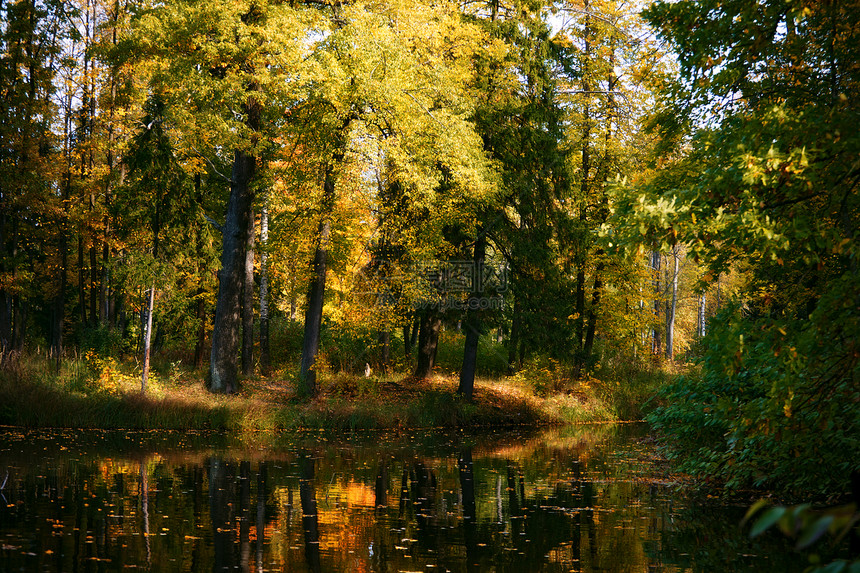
(586, 499)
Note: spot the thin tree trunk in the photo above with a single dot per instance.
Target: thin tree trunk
(60, 301)
(656, 345)
(407, 349)
(473, 322)
(147, 337)
(514, 338)
(585, 169)
(265, 356)
(82, 287)
(671, 309)
(223, 370)
(248, 303)
(596, 293)
(201, 286)
(94, 283)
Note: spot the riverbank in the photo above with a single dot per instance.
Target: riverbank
(102, 394)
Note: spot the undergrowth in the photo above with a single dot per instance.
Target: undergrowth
(95, 392)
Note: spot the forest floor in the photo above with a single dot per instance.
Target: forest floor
(104, 397)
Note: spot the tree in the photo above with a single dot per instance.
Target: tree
(768, 182)
(30, 40)
(389, 77)
(226, 63)
(156, 195)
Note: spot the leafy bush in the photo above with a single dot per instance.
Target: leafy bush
(777, 403)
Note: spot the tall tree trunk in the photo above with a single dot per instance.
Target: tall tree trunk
(514, 338)
(147, 337)
(200, 315)
(82, 287)
(94, 283)
(200, 298)
(223, 370)
(316, 292)
(584, 187)
(60, 301)
(150, 302)
(700, 326)
(672, 307)
(428, 340)
(596, 293)
(265, 356)
(473, 321)
(407, 348)
(384, 340)
(248, 302)
(656, 345)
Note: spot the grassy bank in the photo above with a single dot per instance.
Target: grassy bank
(92, 392)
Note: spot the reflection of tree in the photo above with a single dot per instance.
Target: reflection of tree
(262, 495)
(424, 503)
(244, 515)
(220, 502)
(702, 537)
(470, 514)
(587, 498)
(380, 488)
(310, 519)
(144, 504)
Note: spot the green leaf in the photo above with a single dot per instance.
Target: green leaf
(770, 517)
(814, 532)
(754, 508)
(834, 567)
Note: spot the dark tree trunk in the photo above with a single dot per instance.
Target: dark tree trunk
(384, 339)
(94, 284)
(200, 345)
(584, 187)
(223, 369)
(248, 302)
(200, 314)
(5, 297)
(316, 292)
(413, 336)
(407, 348)
(473, 322)
(428, 340)
(82, 287)
(265, 356)
(596, 293)
(514, 338)
(60, 300)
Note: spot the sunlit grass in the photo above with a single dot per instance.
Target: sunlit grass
(91, 392)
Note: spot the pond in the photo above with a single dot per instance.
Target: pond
(585, 498)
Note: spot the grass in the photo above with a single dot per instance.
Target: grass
(92, 392)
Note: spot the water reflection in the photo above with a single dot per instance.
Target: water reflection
(583, 499)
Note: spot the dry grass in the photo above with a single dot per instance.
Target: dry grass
(98, 393)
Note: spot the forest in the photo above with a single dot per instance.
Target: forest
(650, 200)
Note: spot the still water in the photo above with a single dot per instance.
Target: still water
(586, 498)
